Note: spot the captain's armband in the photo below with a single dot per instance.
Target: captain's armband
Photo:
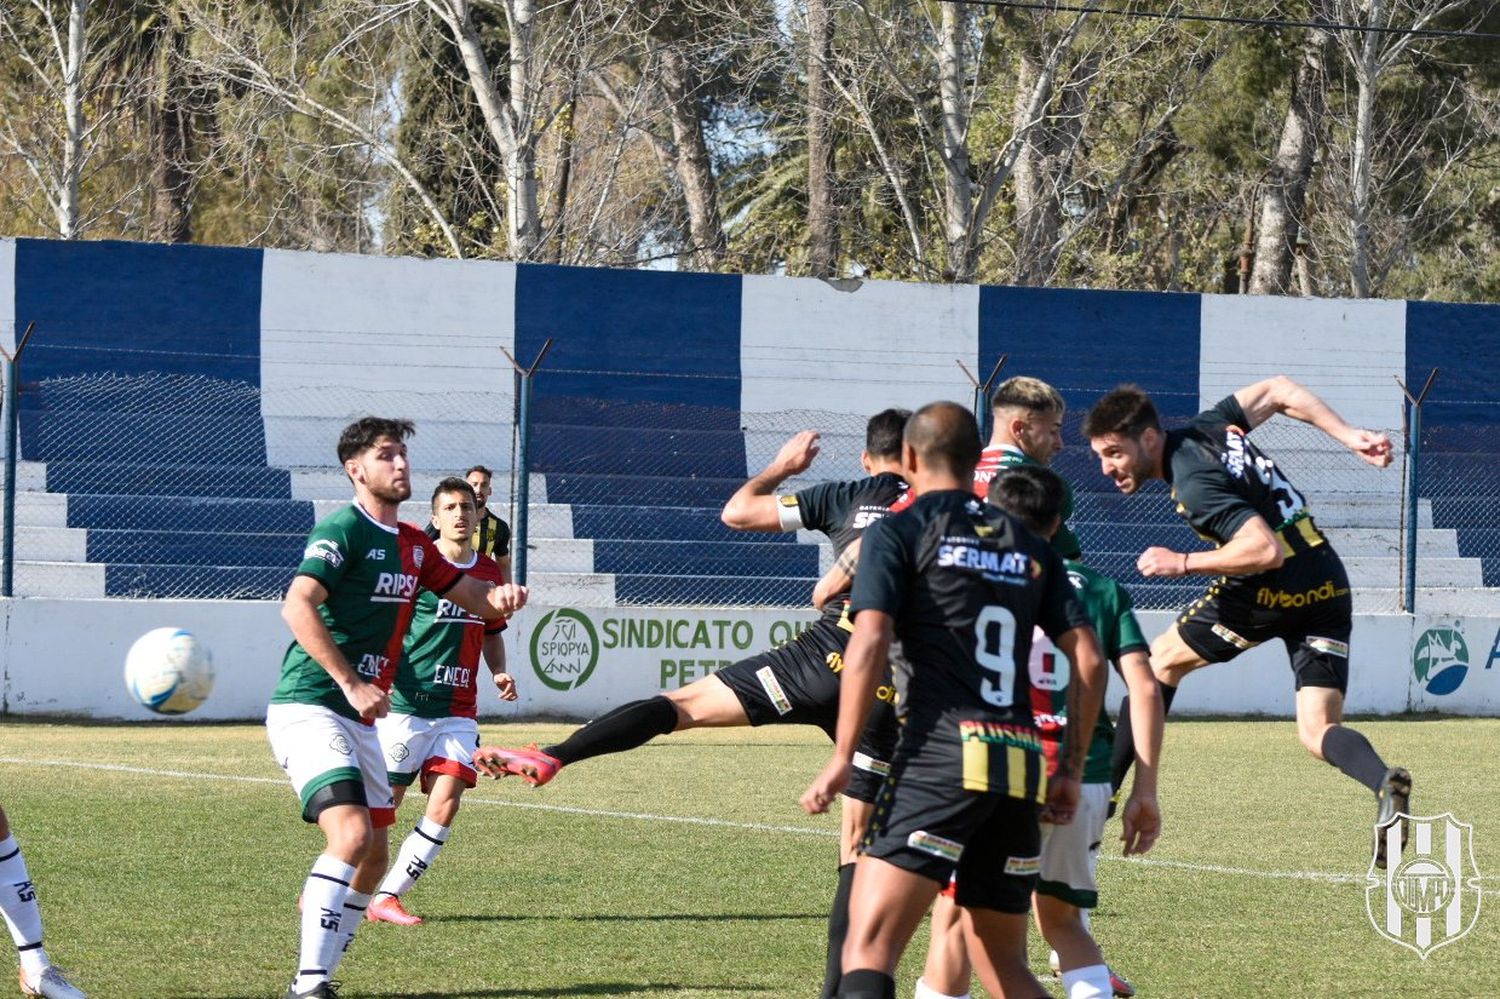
(789, 511)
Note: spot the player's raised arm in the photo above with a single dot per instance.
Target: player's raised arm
(864, 664)
(1280, 394)
(487, 600)
(1141, 817)
(300, 612)
(754, 506)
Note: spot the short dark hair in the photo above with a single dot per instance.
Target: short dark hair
(453, 484)
(362, 434)
(1031, 394)
(1127, 411)
(1032, 494)
(945, 435)
(883, 433)
(480, 468)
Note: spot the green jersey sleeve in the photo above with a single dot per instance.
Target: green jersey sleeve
(328, 551)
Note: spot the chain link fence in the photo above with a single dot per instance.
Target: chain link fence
(1459, 476)
(164, 484)
(170, 485)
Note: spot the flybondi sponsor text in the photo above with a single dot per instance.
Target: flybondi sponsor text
(1268, 597)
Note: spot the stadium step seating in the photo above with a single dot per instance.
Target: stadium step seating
(620, 514)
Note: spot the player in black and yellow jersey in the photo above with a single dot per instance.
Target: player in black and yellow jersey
(793, 684)
(1275, 575)
(962, 585)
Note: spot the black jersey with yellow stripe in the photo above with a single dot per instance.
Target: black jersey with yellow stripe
(1220, 480)
(965, 585)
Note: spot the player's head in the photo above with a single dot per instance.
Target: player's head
(883, 438)
(373, 452)
(479, 478)
(1124, 430)
(942, 437)
(454, 509)
(1033, 495)
(1029, 414)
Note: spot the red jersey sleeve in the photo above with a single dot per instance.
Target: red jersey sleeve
(488, 569)
(434, 572)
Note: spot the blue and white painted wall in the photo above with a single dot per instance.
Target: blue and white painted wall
(658, 386)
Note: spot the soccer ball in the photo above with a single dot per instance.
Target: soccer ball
(169, 671)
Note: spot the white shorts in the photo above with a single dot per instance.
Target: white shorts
(429, 746)
(318, 747)
(1070, 853)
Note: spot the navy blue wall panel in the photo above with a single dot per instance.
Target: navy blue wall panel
(620, 335)
(1085, 342)
(128, 308)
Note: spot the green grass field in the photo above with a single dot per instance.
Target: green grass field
(169, 859)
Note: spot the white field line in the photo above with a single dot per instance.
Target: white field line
(1318, 876)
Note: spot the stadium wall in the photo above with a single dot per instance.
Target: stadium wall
(65, 658)
(317, 337)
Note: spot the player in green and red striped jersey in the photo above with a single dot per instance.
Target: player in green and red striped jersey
(348, 608)
(431, 729)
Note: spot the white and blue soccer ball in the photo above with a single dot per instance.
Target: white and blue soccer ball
(169, 671)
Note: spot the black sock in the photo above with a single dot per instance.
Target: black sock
(1122, 757)
(626, 727)
(867, 984)
(1353, 754)
(838, 929)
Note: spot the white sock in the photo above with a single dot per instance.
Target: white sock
(418, 852)
(355, 904)
(925, 991)
(322, 916)
(1088, 983)
(18, 905)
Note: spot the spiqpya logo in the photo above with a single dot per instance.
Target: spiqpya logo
(564, 649)
(1431, 898)
(1440, 659)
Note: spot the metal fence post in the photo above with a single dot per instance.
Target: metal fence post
(982, 414)
(12, 434)
(1413, 481)
(523, 460)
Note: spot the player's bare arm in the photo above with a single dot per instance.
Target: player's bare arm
(1085, 701)
(1141, 816)
(864, 664)
(840, 576)
(300, 612)
(487, 600)
(1280, 394)
(1253, 548)
(754, 507)
(494, 658)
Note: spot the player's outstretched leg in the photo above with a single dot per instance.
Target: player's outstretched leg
(24, 919)
(704, 703)
(1319, 725)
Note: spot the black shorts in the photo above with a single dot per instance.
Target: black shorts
(1305, 603)
(798, 684)
(992, 841)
